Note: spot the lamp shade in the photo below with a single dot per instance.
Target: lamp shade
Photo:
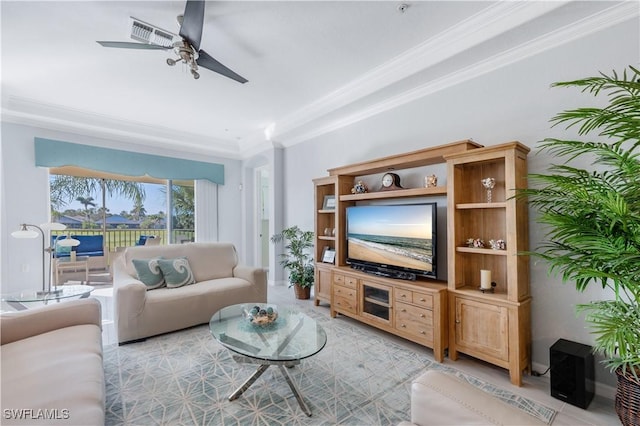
(68, 242)
(24, 233)
(53, 226)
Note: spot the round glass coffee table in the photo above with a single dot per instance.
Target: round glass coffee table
(284, 342)
(17, 300)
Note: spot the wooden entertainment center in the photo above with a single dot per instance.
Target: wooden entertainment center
(491, 324)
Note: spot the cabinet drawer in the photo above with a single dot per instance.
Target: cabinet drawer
(422, 299)
(345, 280)
(409, 296)
(344, 298)
(414, 320)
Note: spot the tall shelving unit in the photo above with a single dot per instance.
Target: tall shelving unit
(329, 227)
(490, 325)
(324, 226)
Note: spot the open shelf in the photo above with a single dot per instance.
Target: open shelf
(398, 193)
(488, 251)
(377, 301)
(497, 296)
(494, 205)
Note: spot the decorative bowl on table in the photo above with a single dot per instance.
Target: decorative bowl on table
(261, 316)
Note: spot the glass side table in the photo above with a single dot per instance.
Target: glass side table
(17, 300)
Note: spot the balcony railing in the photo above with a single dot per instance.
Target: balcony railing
(117, 238)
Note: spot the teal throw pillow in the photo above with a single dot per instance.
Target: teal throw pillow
(149, 272)
(177, 272)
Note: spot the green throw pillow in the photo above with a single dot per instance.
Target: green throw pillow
(149, 272)
(177, 272)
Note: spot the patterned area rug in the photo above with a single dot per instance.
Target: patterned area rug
(184, 378)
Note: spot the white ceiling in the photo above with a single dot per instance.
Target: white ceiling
(312, 66)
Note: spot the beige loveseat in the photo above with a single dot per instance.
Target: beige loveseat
(439, 398)
(51, 365)
(220, 282)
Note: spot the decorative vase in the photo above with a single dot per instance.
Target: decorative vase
(488, 184)
(627, 401)
(303, 293)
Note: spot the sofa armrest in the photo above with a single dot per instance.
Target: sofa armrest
(129, 293)
(130, 296)
(251, 274)
(256, 276)
(20, 325)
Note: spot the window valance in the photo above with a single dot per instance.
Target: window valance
(53, 153)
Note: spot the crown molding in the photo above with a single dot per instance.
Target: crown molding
(29, 112)
(592, 24)
(484, 25)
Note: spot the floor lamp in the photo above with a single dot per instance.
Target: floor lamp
(25, 232)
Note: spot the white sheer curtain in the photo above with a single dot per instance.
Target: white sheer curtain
(206, 211)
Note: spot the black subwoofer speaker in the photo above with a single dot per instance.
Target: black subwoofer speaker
(572, 372)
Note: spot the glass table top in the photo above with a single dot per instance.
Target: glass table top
(291, 336)
(61, 292)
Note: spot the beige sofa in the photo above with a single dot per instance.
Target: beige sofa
(51, 365)
(220, 282)
(438, 398)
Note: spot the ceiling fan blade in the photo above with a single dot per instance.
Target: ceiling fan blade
(192, 22)
(206, 61)
(131, 45)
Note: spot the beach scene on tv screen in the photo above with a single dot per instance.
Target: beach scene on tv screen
(392, 235)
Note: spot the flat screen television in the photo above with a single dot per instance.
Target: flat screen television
(393, 240)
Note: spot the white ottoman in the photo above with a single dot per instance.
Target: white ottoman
(438, 398)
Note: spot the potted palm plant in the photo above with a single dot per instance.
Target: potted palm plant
(592, 221)
(297, 259)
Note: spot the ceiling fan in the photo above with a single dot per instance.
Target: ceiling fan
(187, 49)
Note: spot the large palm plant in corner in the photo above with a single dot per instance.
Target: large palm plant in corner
(592, 218)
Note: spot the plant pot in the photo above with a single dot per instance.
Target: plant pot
(627, 398)
(302, 292)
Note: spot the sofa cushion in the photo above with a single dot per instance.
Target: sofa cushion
(149, 272)
(170, 309)
(177, 272)
(208, 261)
(90, 245)
(36, 374)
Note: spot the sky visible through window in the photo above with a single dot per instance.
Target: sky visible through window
(154, 203)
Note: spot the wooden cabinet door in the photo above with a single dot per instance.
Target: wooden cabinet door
(375, 301)
(482, 329)
(322, 285)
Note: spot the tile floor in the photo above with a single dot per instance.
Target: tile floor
(599, 412)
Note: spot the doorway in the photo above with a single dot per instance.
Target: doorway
(262, 215)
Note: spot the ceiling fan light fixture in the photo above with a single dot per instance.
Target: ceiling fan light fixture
(186, 46)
